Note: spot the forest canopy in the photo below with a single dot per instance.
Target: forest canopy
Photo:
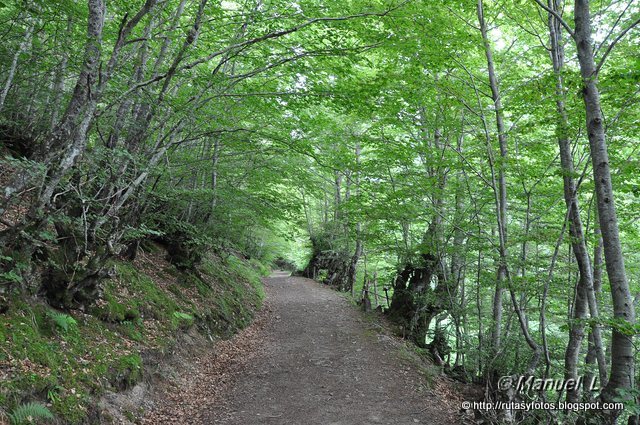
(472, 166)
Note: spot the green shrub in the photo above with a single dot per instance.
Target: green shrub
(29, 413)
(62, 321)
(182, 320)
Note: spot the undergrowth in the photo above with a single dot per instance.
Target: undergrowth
(60, 363)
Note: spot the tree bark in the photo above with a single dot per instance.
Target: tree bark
(597, 344)
(584, 290)
(353, 266)
(500, 191)
(58, 85)
(26, 40)
(68, 140)
(622, 351)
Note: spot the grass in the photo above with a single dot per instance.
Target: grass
(66, 360)
(420, 359)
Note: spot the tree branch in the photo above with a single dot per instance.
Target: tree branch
(558, 17)
(246, 43)
(613, 43)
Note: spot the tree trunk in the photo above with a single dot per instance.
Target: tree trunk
(598, 345)
(376, 297)
(26, 40)
(68, 140)
(501, 189)
(58, 85)
(353, 267)
(584, 289)
(622, 350)
(337, 195)
(215, 159)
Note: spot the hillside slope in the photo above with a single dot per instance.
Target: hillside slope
(76, 362)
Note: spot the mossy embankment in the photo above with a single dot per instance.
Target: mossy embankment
(66, 361)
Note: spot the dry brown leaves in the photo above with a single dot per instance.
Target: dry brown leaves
(203, 383)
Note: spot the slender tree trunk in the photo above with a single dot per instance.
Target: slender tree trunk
(481, 355)
(622, 350)
(584, 289)
(598, 345)
(215, 159)
(500, 190)
(376, 297)
(26, 40)
(68, 140)
(58, 85)
(545, 292)
(501, 196)
(457, 259)
(337, 200)
(353, 266)
(167, 40)
(325, 211)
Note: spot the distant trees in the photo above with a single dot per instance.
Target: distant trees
(149, 120)
(477, 106)
(440, 157)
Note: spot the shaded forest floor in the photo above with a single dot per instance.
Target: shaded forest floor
(100, 364)
(312, 358)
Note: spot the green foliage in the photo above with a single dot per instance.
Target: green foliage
(11, 276)
(624, 326)
(127, 371)
(53, 394)
(141, 232)
(64, 322)
(182, 316)
(13, 268)
(630, 398)
(30, 413)
(182, 320)
(311, 136)
(93, 352)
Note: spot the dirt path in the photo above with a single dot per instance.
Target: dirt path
(322, 362)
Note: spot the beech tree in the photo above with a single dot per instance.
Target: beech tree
(472, 165)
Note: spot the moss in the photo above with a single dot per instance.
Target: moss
(126, 372)
(147, 297)
(130, 415)
(110, 310)
(72, 406)
(133, 330)
(419, 358)
(63, 368)
(70, 368)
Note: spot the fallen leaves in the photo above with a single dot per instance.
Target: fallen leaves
(204, 379)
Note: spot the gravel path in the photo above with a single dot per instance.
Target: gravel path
(320, 361)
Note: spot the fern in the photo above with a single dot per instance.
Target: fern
(62, 321)
(182, 319)
(183, 316)
(29, 413)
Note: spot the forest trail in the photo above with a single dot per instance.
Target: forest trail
(322, 362)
